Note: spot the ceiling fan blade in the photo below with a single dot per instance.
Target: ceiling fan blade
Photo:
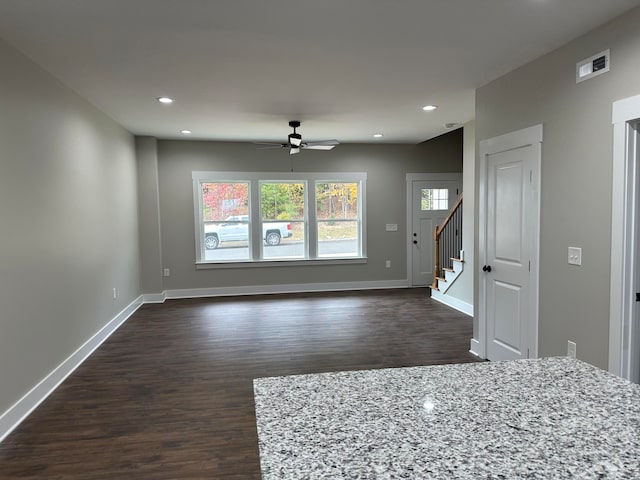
(321, 145)
(267, 145)
(323, 142)
(318, 147)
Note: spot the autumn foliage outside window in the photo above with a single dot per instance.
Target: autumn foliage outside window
(222, 200)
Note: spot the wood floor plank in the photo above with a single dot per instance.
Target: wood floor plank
(170, 394)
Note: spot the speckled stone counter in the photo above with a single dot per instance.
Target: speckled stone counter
(552, 418)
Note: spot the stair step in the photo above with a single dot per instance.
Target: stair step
(448, 269)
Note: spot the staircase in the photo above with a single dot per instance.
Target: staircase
(449, 261)
(443, 283)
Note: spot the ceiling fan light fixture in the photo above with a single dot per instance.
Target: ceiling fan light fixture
(430, 108)
(295, 143)
(295, 139)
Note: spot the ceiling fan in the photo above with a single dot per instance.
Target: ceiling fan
(295, 143)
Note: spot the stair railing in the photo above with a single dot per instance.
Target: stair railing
(447, 239)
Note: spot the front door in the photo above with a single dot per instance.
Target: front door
(510, 254)
(431, 201)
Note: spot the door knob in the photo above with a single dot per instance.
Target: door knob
(486, 268)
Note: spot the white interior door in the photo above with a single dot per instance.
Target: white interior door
(624, 315)
(509, 270)
(431, 201)
(633, 343)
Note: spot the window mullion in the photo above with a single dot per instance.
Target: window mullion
(312, 223)
(197, 192)
(362, 215)
(255, 224)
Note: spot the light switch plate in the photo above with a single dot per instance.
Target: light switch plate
(575, 256)
(392, 227)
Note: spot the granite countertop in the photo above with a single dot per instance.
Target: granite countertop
(551, 418)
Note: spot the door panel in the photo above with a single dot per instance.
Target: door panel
(508, 221)
(507, 303)
(424, 251)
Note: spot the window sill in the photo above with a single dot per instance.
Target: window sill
(281, 263)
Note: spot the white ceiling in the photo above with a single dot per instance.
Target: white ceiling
(241, 69)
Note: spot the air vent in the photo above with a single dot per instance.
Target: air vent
(592, 66)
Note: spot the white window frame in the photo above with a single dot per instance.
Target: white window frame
(255, 179)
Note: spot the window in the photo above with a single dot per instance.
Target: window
(225, 219)
(337, 219)
(282, 207)
(249, 218)
(435, 199)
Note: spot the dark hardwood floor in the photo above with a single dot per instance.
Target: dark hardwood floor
(170, 394)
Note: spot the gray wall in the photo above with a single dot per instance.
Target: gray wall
(68, 208)
(386, 166)
(149, 215)
(576, 175)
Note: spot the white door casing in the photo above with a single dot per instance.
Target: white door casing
(624, 324)
(509, 220)
(420, 223)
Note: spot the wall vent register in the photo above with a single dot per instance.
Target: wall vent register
(592, 66)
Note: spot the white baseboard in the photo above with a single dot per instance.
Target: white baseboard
(474, 348)
(452, 302)
(154, 297)
(10, 419)
(286, 288)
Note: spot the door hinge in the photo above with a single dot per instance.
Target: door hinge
(529, 265)
(530, 176)
(528, 353)
(457, 193)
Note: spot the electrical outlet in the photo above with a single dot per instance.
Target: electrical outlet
(167, 272)
(571, 349)
(115, 293)
(388, 263)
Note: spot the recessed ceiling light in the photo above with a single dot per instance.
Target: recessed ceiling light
(165, 100)
(378, 135)
(429, 108)
(186, 132)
